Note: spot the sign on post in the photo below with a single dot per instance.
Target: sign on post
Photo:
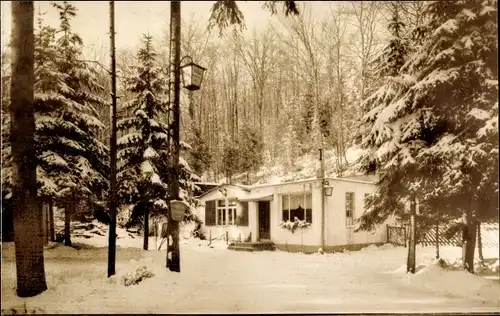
(178, 210)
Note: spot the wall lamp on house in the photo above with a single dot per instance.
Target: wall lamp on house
(328, 189)
(223, 191)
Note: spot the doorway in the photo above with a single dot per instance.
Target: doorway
(264, 220)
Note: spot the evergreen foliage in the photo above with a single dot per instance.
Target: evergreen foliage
(143, 155)
(200, 156)
(432, 127)
(143, 148)
(71, 161)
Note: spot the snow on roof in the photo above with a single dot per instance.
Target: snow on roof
(244, 187)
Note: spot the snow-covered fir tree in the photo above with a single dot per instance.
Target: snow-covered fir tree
(143, 154)
(143, 150)
(200, 156)
(71, 162)
(433, 129)
(389, 64)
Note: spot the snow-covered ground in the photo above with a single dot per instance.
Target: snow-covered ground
(216, 280)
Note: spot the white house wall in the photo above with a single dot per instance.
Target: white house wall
(280, 236)
(337, 233)
(234, 232)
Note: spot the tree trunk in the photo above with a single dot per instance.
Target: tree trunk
(410, 264)
(51, 222)
(146, 228)
(30, 268)
(468, 241)
(67, 223)
(480, 244)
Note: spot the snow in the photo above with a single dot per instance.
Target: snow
(305, 168)
(53, 158)
(132, 138)
(150, 153)
(155, 178)
(147, 167)
(214, 279)
(479, 114)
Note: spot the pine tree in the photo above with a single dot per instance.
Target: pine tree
(231, 163)
(200, 156)
(71, 162)
(143, 149)
(435, 133)
(143, 172)
(251, 147)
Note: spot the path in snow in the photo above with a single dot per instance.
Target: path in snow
(223, 281)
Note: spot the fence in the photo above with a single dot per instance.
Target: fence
(396, 235)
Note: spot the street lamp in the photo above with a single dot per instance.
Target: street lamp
(192, 75)
(328, 188)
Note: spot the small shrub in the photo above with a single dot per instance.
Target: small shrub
(136, 277)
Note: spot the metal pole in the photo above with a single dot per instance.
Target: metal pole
(112, 197)
(323, 183)
(173, 251)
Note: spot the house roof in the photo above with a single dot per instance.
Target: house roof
(206, 186)
(244, 187)
(258, 196)
(358, 179)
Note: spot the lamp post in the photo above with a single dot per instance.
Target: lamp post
(192, 76)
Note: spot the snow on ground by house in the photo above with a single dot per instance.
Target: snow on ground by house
(216, 280)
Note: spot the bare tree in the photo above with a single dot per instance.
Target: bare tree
(258, 56)
(28, 236)
(368, 18)
(334, 41)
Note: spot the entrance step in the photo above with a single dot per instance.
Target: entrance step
(241, 248)
(253, 246)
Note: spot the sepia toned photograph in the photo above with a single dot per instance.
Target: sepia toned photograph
(250, 157)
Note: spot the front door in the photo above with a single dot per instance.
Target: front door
(264, 220)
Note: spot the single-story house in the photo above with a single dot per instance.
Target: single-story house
(258, 213)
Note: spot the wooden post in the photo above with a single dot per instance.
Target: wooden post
(145, 245)
(410, 264)
(437, 239)
(406, 236)
(387, 232)
(67, 221)
(173, 249)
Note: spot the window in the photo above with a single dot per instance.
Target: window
(210, 213)
(297, 206)
(349, 208)
(242, 215)
(226, 213)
